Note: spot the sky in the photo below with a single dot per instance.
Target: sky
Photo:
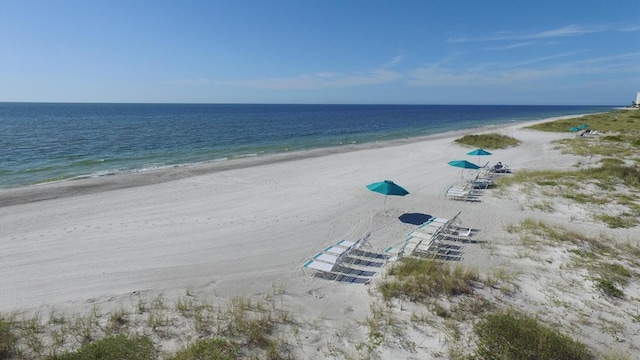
(497, 52)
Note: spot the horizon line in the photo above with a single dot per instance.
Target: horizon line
(302, 104)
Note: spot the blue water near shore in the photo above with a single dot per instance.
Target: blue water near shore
(42, 142)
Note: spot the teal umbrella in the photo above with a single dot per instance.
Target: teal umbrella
(464, 164)
(574, 129)
(479, 152)
(387, 187)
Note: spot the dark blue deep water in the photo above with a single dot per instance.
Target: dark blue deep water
(43, 142)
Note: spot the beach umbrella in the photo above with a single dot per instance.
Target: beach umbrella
(479, 152)
(387, 187)
(574, 129)
(464, 164)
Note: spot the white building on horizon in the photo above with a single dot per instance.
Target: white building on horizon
(637, 102)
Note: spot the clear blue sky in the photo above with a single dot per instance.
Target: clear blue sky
(321, 51)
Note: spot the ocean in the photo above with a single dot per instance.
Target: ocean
(44, 142)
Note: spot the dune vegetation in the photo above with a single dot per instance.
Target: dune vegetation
(488, 141)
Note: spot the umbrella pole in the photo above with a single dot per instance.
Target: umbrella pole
(384, 207)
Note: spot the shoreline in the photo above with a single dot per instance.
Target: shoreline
(88, 184)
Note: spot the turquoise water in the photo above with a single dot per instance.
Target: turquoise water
(44, 142)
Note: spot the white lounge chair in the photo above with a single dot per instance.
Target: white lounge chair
(345, 243)
(425, 248)
(337, 250)
(319, 266)
(460, 194)
(331, 272)
(422, 235)
(330, 259)
(409, 245)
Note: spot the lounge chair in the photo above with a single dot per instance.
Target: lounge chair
(500, 168)
(423, 235)
(439, 220)
(338, 273)
(409, 245)
(428, 229)
(417, 247)
(336, 262)
(323, 263)
(426, 249)
(319, 266)
(479, 182)
(330, 259)
(337, 250)
(345, 243)
(453, 193)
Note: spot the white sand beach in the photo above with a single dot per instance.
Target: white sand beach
(245, 227)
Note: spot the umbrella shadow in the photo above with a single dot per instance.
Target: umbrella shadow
(414, 218)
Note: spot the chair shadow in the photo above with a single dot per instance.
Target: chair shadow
(362, 262)
(343, 278)
(349, 271)
(448, 257)
(369, 254)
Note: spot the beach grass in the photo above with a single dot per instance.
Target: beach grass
(114, 347)
(619, 135)
(253, 327)
(452, 294)
(614, 121)
(422, 280)
(8, 338)
(612, 189)
(238, 328)
(608, 262)
(488, 141)
(512, 335)
(214, 348)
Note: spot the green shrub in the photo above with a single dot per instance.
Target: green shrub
(612, 162)
(616, 138)
(7, 338)
(615, 272)
(488, 141)
(116, 347)
(618, 222)
(609, 288)
(207, 349)
(516, 336)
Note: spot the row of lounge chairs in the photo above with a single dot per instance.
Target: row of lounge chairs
(426, 239)
(463, 193)
(350, 262)
(346, 261)
(472, 189)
